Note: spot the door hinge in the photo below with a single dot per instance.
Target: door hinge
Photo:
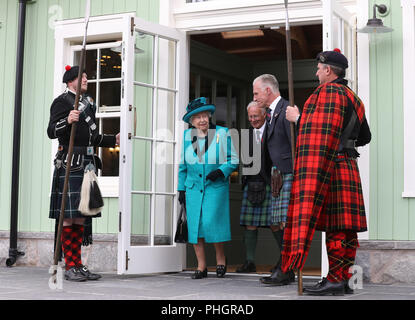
(132, 26)
(119, 222)
(126, 260)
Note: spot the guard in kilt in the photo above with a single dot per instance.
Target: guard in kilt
(256, 210)
(277, 163)
(327, 192)
(77, 228)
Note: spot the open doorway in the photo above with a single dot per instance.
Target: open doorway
(222, 68)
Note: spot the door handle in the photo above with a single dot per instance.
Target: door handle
(131, 108)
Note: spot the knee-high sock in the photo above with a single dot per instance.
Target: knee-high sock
(67, 247)
(250, 240)
(336, 249)
(77, 234)
(351, 245)
(279, 238)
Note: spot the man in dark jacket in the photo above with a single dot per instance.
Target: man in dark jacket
(62, 116)
(277, 146)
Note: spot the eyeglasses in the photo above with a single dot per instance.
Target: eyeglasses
(255, 117)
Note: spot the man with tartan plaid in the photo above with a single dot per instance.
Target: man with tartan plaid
(277, 154)
(327, 193)
(77, 229)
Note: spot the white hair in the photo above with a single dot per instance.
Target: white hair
(255, 104)
(268, 80)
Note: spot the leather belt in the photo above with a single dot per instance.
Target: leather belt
(78, 150)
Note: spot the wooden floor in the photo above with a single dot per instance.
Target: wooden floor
(264, 269)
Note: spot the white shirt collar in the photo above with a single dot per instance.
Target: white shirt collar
(261, 130)
(274, 104)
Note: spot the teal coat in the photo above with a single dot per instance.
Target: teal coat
(207, 202)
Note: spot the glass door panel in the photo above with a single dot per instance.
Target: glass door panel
(140, 220)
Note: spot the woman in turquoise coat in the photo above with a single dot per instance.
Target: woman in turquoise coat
(208, 158)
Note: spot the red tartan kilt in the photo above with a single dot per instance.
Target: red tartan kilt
(344, 208)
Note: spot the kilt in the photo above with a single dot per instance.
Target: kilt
(280, 204)
(343, 207)
(256, 215)
(74, 191)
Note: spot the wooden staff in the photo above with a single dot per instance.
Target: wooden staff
(291, 100)
(70, 148)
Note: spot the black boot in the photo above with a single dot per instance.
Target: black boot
(325, 287)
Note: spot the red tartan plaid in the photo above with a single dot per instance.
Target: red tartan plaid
(341, 252)
(344, 208)
(77, 234)
(315, 165)
(350, 255)
(67, 247)
(335, 244)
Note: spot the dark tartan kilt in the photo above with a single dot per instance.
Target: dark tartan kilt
(280, 203)
(344, 208)
(256, 215)
(74, 190)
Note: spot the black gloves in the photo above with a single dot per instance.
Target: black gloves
(215, 175)
(182, 197)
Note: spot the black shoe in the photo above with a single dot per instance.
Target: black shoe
(73, 274)
(221, 269)
(325, 287)
(88, 274)
(200, 274)
(278, 278)
(347, 289)
(248, 266)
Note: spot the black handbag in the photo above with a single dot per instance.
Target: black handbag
(256, 192)
(181, 235)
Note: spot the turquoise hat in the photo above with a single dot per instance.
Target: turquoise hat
(196, 106)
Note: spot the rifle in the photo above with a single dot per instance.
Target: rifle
(291, 100)
(70, 148)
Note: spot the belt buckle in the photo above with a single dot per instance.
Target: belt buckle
(90, 151)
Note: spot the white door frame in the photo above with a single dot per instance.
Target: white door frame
(149, 258)
(214, 16)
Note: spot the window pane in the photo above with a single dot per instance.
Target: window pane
(110, 63)
(110, 156)
(109, 96)
(92, 90)
(165, 115)
(164, 167)
(163, 220)
(167, 63)
(140, 219)
(144, 57)
(143, 103)
(141, 171)
(90, 62)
